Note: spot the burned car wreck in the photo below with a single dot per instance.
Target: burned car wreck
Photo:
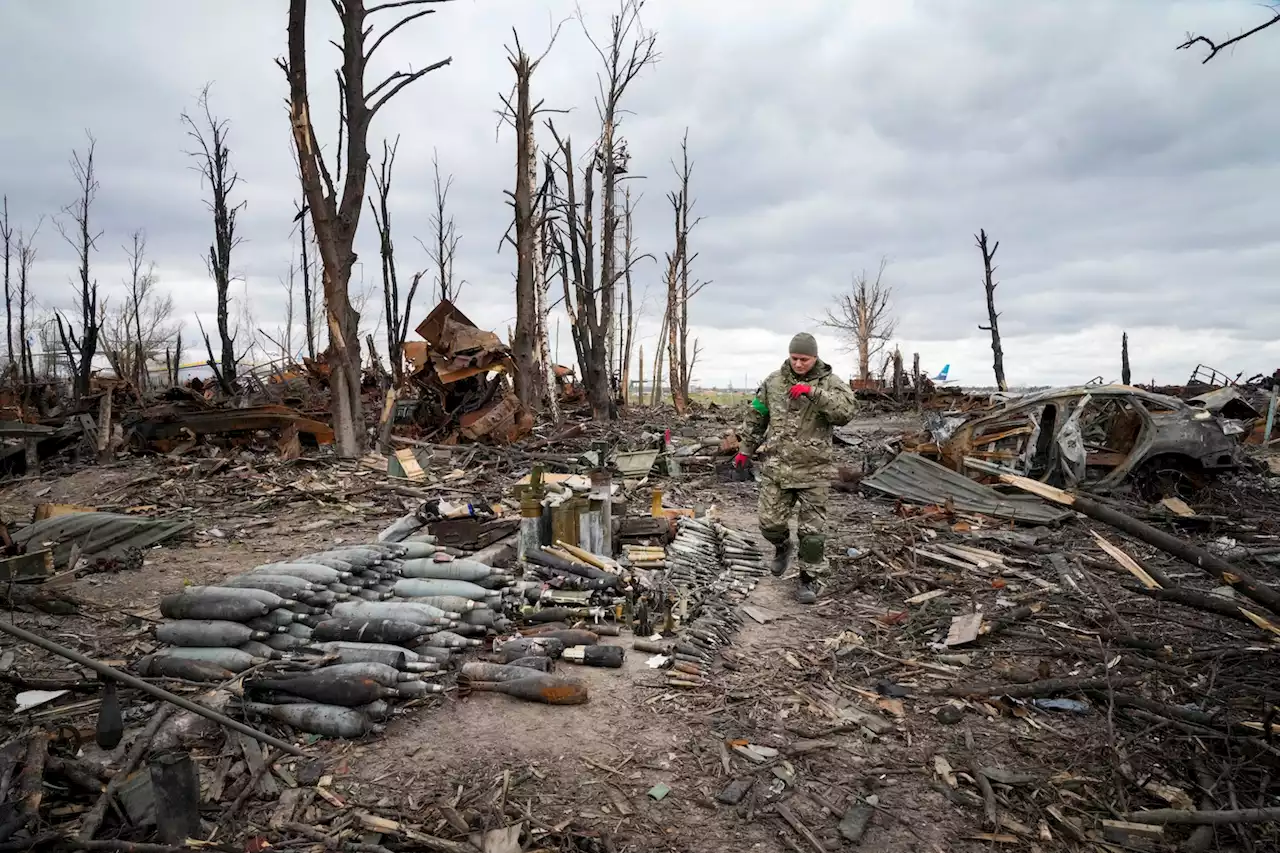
(1094, 437)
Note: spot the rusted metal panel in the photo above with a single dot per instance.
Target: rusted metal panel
(913, 478)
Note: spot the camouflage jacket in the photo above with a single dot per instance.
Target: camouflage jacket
(791, 439)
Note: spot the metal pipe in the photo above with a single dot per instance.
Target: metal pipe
(146, 687)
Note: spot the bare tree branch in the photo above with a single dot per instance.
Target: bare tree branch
(1215, 47)
(80, 236)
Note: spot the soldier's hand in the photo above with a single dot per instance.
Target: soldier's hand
(741, 460)
(799, 390)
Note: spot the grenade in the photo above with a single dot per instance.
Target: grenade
(368, 630)
(547, 689)
(110, 728)
(439, 655)
(316, 573)
(418, 550)
(286, 642)
(454, 603)
(333, 563)
(569, 636)
(484, 618)
(529, 647)
(260, 650)
(608, 656)
(400, 657)
(399, 610)
(450, 640)
(285, 586)
(268, 598)
(277, 621)
(232, 659)
(183, 606)
(387, 676)
(409, 587)
(324, 597)
(377, 710)
(417, 689)
(189, 670)
(326, 720)
(540, 664)
(458, 570)
(327, 689)
(404, 526)
(207, 632)
(481, 671)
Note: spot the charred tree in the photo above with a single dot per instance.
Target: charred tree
(520, 111)
(680, 289)
(25, 249)
(6, 237)
(444, 237)
(993, 317)
(1216, 46)
(626, 300)
(395, 314)
(306, 266)
(1125, 375)
(335, 217)
(81, 347)
(214, 166)
(864, 317)
(591, 300)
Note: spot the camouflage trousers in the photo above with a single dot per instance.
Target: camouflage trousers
(774, 509)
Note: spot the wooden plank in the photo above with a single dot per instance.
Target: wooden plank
(27, 567)
(964, 629)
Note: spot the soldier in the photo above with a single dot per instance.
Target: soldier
(789, 425)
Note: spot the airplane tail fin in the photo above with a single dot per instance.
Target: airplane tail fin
(942, 376)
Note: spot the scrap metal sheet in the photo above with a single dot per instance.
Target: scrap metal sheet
(914, 478)
(99, 534)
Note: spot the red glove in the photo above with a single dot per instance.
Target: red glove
(741, 460)
(798, 391)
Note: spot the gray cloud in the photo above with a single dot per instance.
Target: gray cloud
(1130, 186)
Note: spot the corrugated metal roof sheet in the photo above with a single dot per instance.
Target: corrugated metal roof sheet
(919, 480)
(99, 534)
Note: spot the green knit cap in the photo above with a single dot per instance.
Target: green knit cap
(804, 344)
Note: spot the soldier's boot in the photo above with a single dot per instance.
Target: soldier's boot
(781, 558)
(807, 591)
(811, 560)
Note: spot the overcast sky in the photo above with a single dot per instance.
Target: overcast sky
(1130, 186)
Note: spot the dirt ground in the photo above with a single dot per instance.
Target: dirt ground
(594, 765)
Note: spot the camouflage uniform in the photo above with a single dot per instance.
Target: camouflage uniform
(792, 441)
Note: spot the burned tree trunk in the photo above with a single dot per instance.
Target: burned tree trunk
(308, 290)
(1125, 375)
(6, 236)
(335, 218)
(993, 317)
(214, 159)
(627, 299)
(80, 235)
(680, 289)
(629, 50)
(26, 259)
(395, 315)
(529, 383)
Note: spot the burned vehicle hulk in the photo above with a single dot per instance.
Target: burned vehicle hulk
(1093, 437)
